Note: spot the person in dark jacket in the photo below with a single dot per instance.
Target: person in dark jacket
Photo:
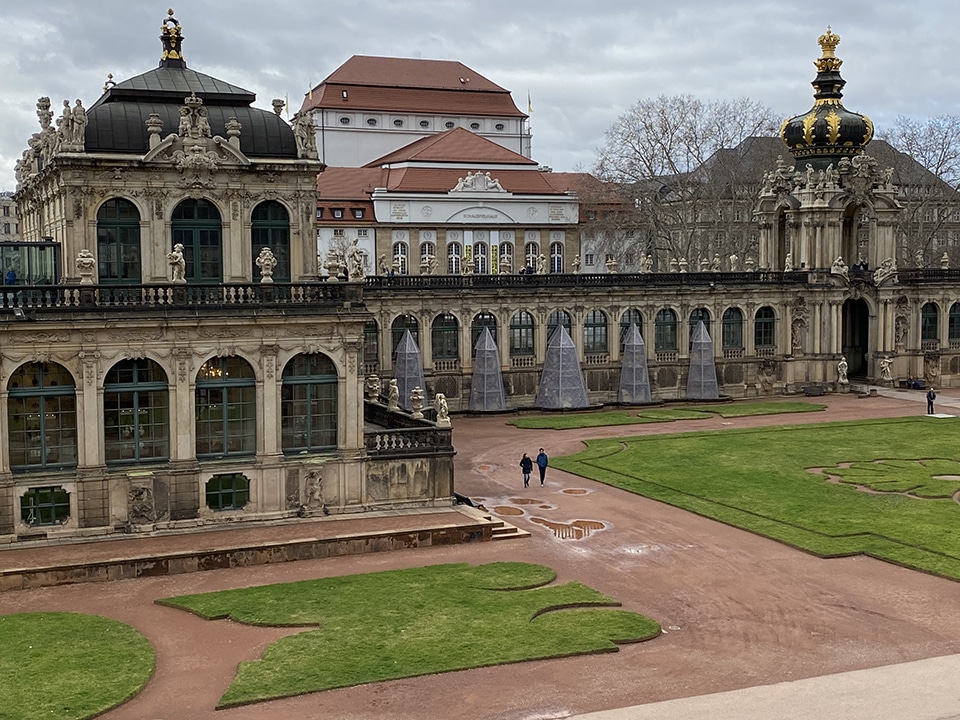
(931, 396)
(526, 465)
(542, 463)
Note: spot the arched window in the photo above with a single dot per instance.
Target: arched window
(226, 407)
(506, 257)
(732, 329)
(400, 259)
(445, 337)
(480, 321)
(196, 226)
(270, 228)
(42, 417)
(929, 322)
(630, 317)
(481, 258)
(427, 251)
(531, 251)
(764, 328)
(400, 325)
(521, 334)
(595, 333)
(558, 317)
(953, 323)
(665, 331)
(118, 242)
(308, 404)
(697, 316)
(371, 346)
(556, 257)
(136, 416)
(454, 255)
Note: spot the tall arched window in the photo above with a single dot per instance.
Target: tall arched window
(400, 259)
(480, 321)
(505, 261)
(270, 228)
(308, 404)
(558, 317)
(136, 417)
(481, 258)
(445, 337)
(226, 407)
(531, 251)
(371, 346)
(630, 317)
(118, 242)
(665, 331)
(454, 258)
(196, 226)
(929, 322)
(953, 323)
(732, 329)
(427, 250)
(521, 334)
(595, 333)
(764, 328)
(400, 325)
(697, 316)
(42, 417)
(556, 257)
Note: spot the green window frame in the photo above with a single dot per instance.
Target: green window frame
(270, 228)
(309, 393)
(929, 322)
(764, 328)
(226, 408)
(630, 317)
(118, 243)
(41, 417)
(371, 343)
(953, 323)
(227, 492)
(445, 337)
(480, 321)
(400, 325)
(595, 333)
(698, 315)
(556, 318)
(195, 224)
(45, 506)
(136, 413)
(522, 334)
(665, 331)
(731, 329)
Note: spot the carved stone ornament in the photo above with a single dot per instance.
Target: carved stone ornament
(478, 182)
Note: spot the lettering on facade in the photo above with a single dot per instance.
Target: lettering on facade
(481, 216)
(556, 214)
(398, 211)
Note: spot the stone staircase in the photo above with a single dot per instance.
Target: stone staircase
(499, 529)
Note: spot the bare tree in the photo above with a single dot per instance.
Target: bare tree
(690, 171)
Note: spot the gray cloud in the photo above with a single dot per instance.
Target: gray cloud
(582, 63)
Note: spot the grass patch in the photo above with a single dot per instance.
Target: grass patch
(69, 666)
(404, 623)
(758, 479)
(569, 421)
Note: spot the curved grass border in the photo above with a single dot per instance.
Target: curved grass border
(756, 479)
(69, 666)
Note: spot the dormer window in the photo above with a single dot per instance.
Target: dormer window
(424, 123)
(500, 126)
(371, 122)
(449, 124)
(337, 213)
(358, 213)
(319, 213)
(344, 120)
(474, 126)
(398, 123)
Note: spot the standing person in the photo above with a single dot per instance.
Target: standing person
(542, 462)
(931, 396)
(526, 465)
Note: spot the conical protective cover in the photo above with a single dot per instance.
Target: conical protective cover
(702, 381)
(634, 378)
(561, 382)
(408, 369)
(486, 391)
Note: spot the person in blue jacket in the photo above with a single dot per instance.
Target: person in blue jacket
(542, 463)
(526, 465)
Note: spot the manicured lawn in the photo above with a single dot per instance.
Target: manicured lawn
(68, 666)
(758, 479)
(403, 623)
(568, 421)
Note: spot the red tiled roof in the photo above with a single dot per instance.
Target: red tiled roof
(416, 179)
(454, 146)
(348, 183)
(410, 73)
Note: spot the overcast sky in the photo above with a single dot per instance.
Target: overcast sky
(582, 62)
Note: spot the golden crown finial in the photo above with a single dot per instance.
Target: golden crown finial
(828, 61)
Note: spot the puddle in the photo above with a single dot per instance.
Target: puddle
(525, 501)
(576, 530)
(574, 491)
(506, 510)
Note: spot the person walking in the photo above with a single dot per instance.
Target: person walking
(931, 396)
(542, 462)
(526, 465)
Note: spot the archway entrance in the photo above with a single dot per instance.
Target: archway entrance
(856, 335)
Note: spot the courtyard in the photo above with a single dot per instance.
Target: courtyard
(738, 610)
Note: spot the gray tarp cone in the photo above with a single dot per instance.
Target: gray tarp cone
(408, 369)
(486, 390)
(702, 381)
(561, 382)
(634, 378)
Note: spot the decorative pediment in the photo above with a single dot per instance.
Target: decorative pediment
(478, 182)
(193, 149)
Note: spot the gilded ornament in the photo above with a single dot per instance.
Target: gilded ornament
(833, 127)
(808, 124)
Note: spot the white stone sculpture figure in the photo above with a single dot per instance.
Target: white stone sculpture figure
(734, 263)
(945, 261)
(355, 261)
(885, 374)
(443, 414)
(416, 403)
(382, 265)
(839, 267)
(788, 263)
(715, 264)
(541, 264)
(266, 261)
(842, 371)
(646, 265)
(178, 265)
(393, 396)
(576, 264)
(305, 135)
(432, 264)
(86, 264)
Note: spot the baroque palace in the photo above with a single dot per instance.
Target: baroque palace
(199, 302)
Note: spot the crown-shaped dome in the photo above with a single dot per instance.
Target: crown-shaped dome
(828, 131)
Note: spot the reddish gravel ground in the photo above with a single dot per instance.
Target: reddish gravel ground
(738, 610)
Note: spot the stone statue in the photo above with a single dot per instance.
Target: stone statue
(918, 257)
(541, 264)
(674, 265)
(382, 266)
(788, 263)
(333, 266)
(416, 403)
(704, 264)
(393, 395)
(715, 264)
(888, 268)
(86, 265)
(266, 261)
(305, 136)
(944, 261)
(278, 105)
(432, 264)
(839, 267)
(355, 261)
(373, 386)
(842, 371)
(576, 264)
(78, 125)
(313, 491)
(443, 415)
(885, 374)
(734, 263)
(612, 267)
(506, 264)
(683, 264)
(177, 264)
(646, 265)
